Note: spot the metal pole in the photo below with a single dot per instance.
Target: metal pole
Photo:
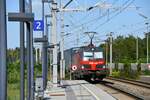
(40, 55)
(137, 50)
(62, 71)
(47, 25)
(3, 51)
(50, 59)
(71, 65)
(106, 52)
(61, 44)
(29, 52)
(111, 53)
(43, 48)
(147, 41)
(54, 41)
(45, 64)
(147, 49)
(28, 62)
(46, 32)
(36, 55)
(50, 54)
(44, 53)
(31, 55)
(22, 52)
(51, 50)
(46, 71)
(32, 63)
(43, 15)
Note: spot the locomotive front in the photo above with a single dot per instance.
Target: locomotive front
(90, 64)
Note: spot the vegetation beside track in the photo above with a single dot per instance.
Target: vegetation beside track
(127, 72)
(13, 89)
(146, 72)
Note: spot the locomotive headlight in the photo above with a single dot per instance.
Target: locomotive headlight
(82, 67)
(104, 66)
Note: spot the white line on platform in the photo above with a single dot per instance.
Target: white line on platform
(97, 98)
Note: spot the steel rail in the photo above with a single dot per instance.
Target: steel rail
(138, 97)
(134, 82)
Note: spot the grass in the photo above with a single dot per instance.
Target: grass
(13, 92)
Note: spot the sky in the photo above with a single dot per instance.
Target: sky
(121, 18)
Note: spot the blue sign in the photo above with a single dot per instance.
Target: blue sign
(38, 25)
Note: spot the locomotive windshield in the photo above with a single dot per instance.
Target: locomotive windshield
(98, 55)
(87, 55)
(92, 55)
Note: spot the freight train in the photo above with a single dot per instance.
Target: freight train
(86, 62)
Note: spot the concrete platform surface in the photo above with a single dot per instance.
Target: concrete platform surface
(75, 90)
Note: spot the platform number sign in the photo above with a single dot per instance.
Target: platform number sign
(38, 25)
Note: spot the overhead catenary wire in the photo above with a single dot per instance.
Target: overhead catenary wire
(97, 18)
(120, 11)
(126, 26)
(77, 26)
(138, 23)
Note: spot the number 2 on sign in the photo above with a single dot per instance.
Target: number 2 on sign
(38, 25)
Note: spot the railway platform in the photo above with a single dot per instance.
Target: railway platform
(75, 90)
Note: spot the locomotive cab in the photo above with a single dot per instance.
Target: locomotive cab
(90, 63)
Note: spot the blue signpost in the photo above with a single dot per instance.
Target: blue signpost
(38, 25)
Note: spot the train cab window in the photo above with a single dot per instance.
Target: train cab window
(87, 56)
(92, 55)
(98, 55)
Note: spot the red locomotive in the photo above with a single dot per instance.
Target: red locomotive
(87, 63)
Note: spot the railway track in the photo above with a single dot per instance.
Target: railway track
(134, 82)
(136, 89)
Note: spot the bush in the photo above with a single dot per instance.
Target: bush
(116, 73)
(146, 72)
(13, 72)
(127, 72)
